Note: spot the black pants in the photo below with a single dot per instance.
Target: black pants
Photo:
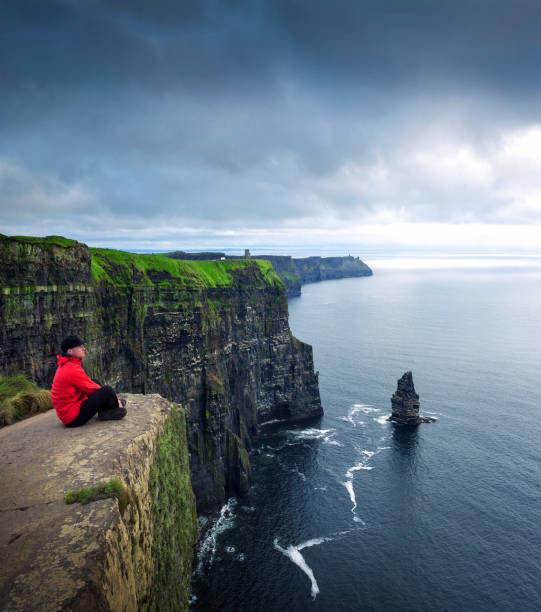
(104, 399)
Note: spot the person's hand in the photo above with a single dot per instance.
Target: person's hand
(119, 402)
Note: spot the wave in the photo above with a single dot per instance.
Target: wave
(311, 433)
(225, 520)
(366, 408)
(355, 411)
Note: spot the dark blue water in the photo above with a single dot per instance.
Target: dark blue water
(354, 513)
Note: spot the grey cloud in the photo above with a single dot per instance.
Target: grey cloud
(246, 113)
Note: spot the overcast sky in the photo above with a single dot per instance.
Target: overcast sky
(326, 125)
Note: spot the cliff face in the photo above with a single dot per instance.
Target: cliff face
(295, 272)
(133, 552)
(314, 269)
(213, 336)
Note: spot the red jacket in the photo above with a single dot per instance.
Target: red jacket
(71, 387)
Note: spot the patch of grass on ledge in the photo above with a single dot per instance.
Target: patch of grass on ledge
(112, 488)
(21, 398)
(110, 266)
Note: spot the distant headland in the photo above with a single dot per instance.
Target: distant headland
(295, 272)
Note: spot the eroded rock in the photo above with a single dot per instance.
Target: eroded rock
(405, 403)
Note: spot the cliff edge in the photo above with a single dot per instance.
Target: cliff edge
(133, 552)
(211, 335)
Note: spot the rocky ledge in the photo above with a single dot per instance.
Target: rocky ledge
(405, 403)
(130, 548)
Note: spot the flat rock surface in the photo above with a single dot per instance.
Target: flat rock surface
(45, 543)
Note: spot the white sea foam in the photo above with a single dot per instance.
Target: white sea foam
(313, 542)
(293, 553)
(384, 418)
(349, 486)
(225, 520)
(329, 440)
(360, 466)
(354, 412)
(327, 435)
(366, 408)
(311, 433)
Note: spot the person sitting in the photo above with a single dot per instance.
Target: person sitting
(76, 397)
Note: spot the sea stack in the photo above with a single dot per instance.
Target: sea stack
(405, 403)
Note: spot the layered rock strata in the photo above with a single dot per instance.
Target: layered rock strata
(131, 553)
(213, 336)
(405, 403)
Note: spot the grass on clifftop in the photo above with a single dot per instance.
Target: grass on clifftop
(46, 240)
(118, 268)
(20, 398)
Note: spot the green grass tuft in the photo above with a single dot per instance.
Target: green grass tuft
(112, 488)
(21, 398)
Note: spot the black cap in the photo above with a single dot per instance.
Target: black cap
(71, 342)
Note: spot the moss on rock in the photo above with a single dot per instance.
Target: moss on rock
(173, 516)
(112, 488)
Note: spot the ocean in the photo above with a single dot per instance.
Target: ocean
(351, 512)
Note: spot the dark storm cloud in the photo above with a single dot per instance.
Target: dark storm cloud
(256, 112)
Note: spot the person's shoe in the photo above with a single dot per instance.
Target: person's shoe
(112, 415)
